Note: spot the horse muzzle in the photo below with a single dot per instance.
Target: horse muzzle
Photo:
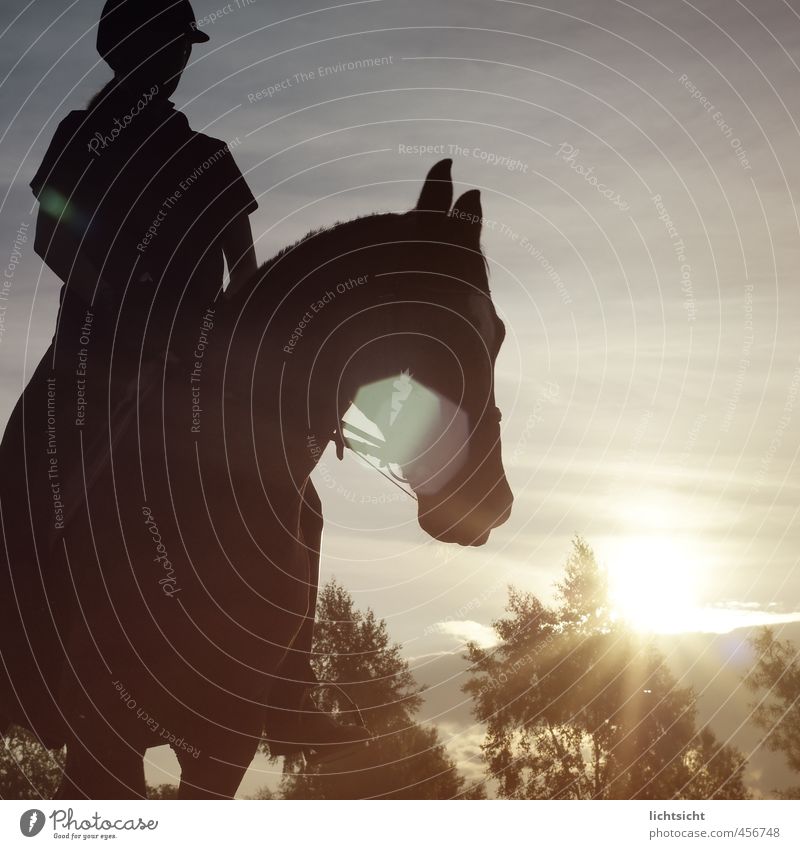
(449, 520)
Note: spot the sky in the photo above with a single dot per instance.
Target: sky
(638, 169)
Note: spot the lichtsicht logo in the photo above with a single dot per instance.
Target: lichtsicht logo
(31, 822)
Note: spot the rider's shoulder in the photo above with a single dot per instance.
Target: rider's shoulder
(75, 126)
(75, 116)
(72, 124)
(213, 146)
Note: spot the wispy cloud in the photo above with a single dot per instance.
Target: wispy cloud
(467, 630)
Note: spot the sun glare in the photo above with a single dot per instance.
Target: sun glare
(653, 584)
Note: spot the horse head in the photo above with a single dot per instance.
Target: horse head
(437, 412)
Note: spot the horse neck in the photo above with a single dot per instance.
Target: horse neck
(323, 375)
(299, 377)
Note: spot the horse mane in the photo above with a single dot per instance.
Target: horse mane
(330, 241)
(342, 229)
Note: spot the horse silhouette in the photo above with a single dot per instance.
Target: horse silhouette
(171, 604)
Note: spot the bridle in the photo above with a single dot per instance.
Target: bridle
(362, 444)
(365, 449)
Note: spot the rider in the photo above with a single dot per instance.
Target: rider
(128, 191)
(138, 215)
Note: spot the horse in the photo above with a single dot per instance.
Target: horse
(171, 604)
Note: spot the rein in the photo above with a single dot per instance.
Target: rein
(342, 442)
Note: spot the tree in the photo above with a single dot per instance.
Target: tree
(775, 677)
(27, 769)
(717, 771)
(263, 794)
(162, 791)
(578, 707)
(366, 677)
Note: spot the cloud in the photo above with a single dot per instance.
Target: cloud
(464, 747)
(724, 618)
(467, 630)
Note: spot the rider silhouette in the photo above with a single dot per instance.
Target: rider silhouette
(138, 215)
(137, 210)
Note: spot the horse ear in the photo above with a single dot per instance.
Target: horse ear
(437, 193)
(469, 212)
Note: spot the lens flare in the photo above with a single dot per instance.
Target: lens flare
(423, 432)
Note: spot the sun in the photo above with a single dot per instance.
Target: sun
(659, 580)
(654, 583)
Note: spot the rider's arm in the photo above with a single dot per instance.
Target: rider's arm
(240, 255)
(57, 248)
(59, 233)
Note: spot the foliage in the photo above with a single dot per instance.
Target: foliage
(262, 794)
(577, 707)
(404, 760)
(775, 677)
(162, 791)
(27, 769)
